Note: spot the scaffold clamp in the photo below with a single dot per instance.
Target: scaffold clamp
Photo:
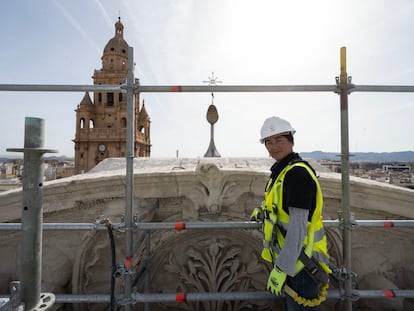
(349, 86)
(122, 227)
(122, 301)
(15, 302)
(351, 223)
(343, 274)
(46, 301)
(353, 297)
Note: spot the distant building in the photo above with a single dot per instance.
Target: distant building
(56, 169)
(334, 166)
(101, 124)
(13, 168)
(396, 167)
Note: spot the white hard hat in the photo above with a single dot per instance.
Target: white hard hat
(273, 126)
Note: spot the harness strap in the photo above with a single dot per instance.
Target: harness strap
(318, 234)
(313, 268)
(266, 244)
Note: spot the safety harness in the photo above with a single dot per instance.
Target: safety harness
(323, 291)
(314, 256)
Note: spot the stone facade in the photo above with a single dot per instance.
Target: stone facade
(101, 124)
(202, 190)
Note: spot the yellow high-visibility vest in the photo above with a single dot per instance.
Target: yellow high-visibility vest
(276, 221)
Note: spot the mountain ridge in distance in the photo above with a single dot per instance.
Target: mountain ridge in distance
(396, 156)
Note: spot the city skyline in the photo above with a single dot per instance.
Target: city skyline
(243, 43)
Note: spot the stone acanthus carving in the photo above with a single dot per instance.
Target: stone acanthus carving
(212, 190)
(215, 267)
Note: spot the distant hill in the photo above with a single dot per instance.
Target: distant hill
(401, 156)
(6, 158)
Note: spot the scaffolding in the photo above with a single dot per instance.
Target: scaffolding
(343, 87)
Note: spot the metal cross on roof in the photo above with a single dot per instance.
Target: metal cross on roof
(212, 80)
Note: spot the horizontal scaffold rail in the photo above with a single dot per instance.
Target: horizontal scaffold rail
(382, 88)
(188, 297)
(263, 295)
(60, 88)
(203, 88)
(236, 88)
(167, 88)
(198, 225)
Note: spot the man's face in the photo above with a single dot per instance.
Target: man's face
(278, 146)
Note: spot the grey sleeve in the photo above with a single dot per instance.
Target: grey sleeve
(295, 236)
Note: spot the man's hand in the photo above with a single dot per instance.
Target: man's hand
(276, 281)
(257, 214)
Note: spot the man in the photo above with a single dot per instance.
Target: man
(294, 237)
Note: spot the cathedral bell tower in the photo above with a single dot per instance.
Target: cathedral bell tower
(101, 123)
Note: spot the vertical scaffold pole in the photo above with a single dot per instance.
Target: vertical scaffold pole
(346, 235)
(32, 212)
(129, 178)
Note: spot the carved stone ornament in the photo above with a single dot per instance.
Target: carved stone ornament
(217, 261)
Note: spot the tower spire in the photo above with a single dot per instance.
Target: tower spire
(119, 28)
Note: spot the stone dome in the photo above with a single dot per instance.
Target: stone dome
(117, 45)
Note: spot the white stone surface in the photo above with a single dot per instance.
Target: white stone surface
(202, 189)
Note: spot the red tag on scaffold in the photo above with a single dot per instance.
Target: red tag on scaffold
(180, 297)
(176, 88)
(389, 293)
(388, 224)
(179, 226)
(128, 262)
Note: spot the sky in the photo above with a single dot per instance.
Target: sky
(243, 42)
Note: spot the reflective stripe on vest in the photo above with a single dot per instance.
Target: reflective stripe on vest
(315, 242)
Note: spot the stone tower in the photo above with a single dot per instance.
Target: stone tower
(101, 123)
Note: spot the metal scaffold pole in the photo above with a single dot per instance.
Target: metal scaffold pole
(346, 215)
(129, 178)
(32, 213)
